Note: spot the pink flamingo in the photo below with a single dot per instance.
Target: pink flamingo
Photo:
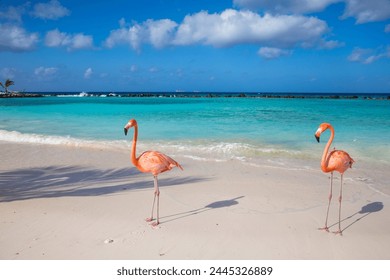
(150, 161)
(336, 160)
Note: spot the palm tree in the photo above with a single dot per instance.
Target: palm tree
(7, 83)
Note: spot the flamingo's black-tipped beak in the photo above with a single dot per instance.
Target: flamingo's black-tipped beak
(318, 138)
(125, 129)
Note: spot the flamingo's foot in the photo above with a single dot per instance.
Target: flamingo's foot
(155, 224)
(324, 229)
(338, 232)
(148, 220)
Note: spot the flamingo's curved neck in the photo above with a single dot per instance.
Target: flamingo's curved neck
(325, 155)
(133, 146)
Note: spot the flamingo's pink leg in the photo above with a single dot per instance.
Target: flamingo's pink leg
(339, 231)
(151, 215)
(156, 193)
(326, 228)
(157, 222)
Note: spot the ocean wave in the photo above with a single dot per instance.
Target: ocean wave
(223, 151)
(31, 138)
(86, 94)
(200, 149)
(81, 94)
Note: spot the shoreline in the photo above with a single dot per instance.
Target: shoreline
(371, 166)
(90, 203)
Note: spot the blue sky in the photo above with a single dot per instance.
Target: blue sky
(196, 45)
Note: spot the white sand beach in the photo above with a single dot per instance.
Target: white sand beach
(67, 203)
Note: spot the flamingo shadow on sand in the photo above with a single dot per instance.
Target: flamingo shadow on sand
(208, 207)
(363, 213)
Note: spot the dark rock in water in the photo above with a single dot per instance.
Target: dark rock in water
(20, 95)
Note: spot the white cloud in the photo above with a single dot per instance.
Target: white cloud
(156, 32)
(229, 28)
(45, 72)
(55, 38)
(387, 28)
(368, 56)
(8, 73)
(271, 53)
(15, 39)
(367, 10)
(88, 73)
(160, 32)
(133, 68)
(363, 10)
(13, 13)
(233, 27)
(50, 10)
(331, 44)
(81, 41)
(285, 6)
(358, 54)
(124, 35)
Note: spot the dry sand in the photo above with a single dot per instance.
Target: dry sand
(77, 203)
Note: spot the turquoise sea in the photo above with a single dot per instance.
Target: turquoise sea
(220, 128)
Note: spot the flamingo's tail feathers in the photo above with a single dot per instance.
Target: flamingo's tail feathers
(351, 162)
(178, 165)
(174, 163)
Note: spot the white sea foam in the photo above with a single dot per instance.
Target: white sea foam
(201, 150)
(81, 94)
(197, 158)
(224, 151)
(30, 138)
(86, 94)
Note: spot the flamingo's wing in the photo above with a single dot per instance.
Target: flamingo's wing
(340, 160)
(156, 162)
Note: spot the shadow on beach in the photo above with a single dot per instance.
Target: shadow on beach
(208, 207)
(60, 181)
(362, 213)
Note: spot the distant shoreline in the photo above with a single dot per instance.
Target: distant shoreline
(202, 95)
